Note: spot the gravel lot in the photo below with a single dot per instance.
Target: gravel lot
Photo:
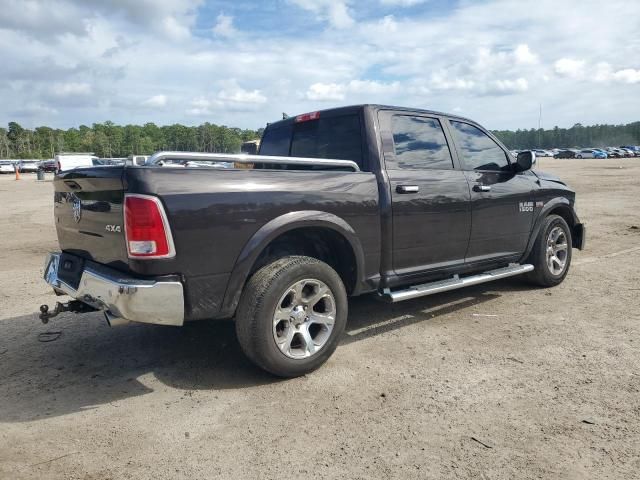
(497, 381)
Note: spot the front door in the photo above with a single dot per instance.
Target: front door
(502, 201)
(430, 197)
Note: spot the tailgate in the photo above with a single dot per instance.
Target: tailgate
(88, 209)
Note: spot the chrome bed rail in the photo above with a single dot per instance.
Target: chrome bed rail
(244, 158)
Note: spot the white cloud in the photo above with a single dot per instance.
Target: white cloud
(511, 86)
(402, 3)
(605, 74)
(356, 89)
(627, 75)
(326, 92)
(70, 89)
(523, 55)
(239, 95)
(336, 12)
(569, 67)
(156, 101)
(224, 26)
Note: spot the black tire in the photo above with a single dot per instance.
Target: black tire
(255, 314)
(542, 275)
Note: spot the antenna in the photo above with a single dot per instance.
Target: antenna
(539, 126)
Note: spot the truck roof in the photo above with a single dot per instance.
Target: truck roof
(356, 108)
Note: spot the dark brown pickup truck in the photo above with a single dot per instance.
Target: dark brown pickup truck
(400, 202)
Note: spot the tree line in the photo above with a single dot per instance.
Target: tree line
(576, 136)
(108, 140)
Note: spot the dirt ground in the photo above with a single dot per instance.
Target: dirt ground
(497, 381)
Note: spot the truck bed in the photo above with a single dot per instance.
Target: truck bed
(213, 214)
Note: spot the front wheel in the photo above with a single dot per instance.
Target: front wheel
(291, 316)
(551, 253)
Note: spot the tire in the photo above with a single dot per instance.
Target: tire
(547, 271)
(283, 321)
(578, 156)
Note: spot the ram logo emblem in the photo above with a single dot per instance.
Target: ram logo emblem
(76, 208)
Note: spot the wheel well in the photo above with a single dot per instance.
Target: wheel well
(565, 213)
(324, 244)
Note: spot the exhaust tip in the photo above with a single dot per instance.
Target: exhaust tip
(114, 321)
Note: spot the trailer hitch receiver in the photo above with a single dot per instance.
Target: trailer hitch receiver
(74, 306)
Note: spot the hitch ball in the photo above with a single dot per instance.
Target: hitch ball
(44, 314)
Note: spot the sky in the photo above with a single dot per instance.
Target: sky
(243, 63)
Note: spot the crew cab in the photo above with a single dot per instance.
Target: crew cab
(392, 201)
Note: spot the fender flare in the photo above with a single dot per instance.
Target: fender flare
(273, 229)
(544, 212)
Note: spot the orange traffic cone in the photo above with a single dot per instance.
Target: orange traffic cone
(17, 172)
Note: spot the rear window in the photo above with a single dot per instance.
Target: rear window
(335, 137)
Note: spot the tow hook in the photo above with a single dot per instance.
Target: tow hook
(74, 306)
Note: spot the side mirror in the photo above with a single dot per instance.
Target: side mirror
(525, 161)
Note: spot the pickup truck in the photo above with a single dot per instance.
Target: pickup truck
(392, 201)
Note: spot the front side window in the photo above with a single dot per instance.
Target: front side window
(419, 143)
(477, 150)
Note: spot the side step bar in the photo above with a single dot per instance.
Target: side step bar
(454, 283)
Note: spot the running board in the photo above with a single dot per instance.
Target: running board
(454, 283)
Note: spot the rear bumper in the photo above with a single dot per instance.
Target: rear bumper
(119, 295)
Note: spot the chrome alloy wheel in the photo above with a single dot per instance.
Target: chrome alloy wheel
(557, 249)
(303, 319)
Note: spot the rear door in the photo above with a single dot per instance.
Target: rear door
(430, 196)
(502, 202)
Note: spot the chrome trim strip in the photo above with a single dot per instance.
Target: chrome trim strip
(244, 158)
(145, 301)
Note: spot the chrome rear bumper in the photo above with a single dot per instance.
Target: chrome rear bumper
(121, 296)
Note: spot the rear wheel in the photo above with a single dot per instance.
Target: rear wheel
(551, 253)
(292, 315)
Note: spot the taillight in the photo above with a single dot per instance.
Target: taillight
(146, 228)
(305, 117)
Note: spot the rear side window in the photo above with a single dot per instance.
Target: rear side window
(419, 144)
(478, 151)
(276, 141)
(333, 137)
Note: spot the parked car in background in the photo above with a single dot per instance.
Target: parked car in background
(48, 165)
(6, 166)
(634, 148)
(590, 153)
(602, 151)
(137, 159)
(28, 166)
(622, 153)
(629, 152)
(613, 153)
(68, 161)
(565, 154)
(543, 153)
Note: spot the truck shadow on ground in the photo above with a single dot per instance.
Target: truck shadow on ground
(91, 364)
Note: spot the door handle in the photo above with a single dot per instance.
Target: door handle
(481, 188)
(407, 189)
